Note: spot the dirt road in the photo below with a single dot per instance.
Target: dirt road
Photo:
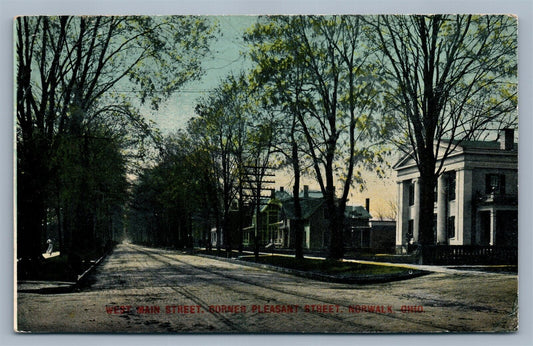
(144, 290)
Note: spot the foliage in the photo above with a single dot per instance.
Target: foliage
(318, 69)
(167, 196)
(343, 269)
(237, 133)
(448, 79)
(78, 82)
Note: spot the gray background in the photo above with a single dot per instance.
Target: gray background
(12, 8)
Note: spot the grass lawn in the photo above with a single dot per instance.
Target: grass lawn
(328, 267)
(57, 268)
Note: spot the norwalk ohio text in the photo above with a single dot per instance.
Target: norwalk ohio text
(265, 308)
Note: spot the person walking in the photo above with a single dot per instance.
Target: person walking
(50, 246)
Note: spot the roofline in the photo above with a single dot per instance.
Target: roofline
(459, 150)
(403, 158)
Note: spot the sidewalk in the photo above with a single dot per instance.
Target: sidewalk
(32, 286)
(54, 286)
(448, 269)
(451, 269)
(53, 254)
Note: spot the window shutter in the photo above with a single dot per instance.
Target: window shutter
(488, 186)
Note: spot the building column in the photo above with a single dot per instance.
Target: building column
(441, 210)
(492, 227)
(464, 207)
(416, 218)
(477, 229)
(399, 216)
(402, 216)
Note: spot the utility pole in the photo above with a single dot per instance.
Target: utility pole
(254, 178)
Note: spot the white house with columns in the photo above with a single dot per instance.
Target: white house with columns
(476, 199)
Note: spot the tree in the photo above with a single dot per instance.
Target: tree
(334, 98)
(221, 125)
(168, 195)
(280, 92)
(69, 75)
(238, 135)
(449, 78)
(90, 188)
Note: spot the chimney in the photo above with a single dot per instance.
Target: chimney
(367, 204)
(281, 189)
(507, 139)
(306, 191)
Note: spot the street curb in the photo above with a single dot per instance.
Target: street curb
(67, 287)
(362, 279)
(82, 279)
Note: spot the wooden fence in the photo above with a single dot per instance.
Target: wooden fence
(469, 254)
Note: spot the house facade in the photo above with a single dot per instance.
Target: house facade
(476, 199)
(382, 235)
(278, 215)
(357, 231)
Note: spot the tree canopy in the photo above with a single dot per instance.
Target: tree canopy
(319, 69)
(79, 82)
(448, 78)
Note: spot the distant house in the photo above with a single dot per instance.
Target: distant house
(278, 215)
(270, 231)
(314, 217)
(476, 200)
(236, 220)
(357, 233)
(277, 221)
(382, 235)
(366, 234)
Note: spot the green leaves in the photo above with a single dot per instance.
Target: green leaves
(315, 66)
(80, 81)
(445, 67)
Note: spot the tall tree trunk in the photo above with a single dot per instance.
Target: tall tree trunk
(298, 224)
(32, 179)
(335, 226)
(425, 216)
(427, 198)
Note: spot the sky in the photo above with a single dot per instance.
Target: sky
(228, 58)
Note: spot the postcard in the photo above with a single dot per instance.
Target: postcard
(266, 174)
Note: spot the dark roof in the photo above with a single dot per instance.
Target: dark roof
(308, 205)
(494, 145)
(311, 194)
(356, 212)
(466, 145)
(282, 195)
(311, 205)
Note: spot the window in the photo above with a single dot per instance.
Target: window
(365, 238)
(451, 186)
(435, 226)
(495, 183)
(450, 227)
(411, 193)
(410, 229)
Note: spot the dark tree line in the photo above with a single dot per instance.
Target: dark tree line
(170, 197)
(78, 131)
